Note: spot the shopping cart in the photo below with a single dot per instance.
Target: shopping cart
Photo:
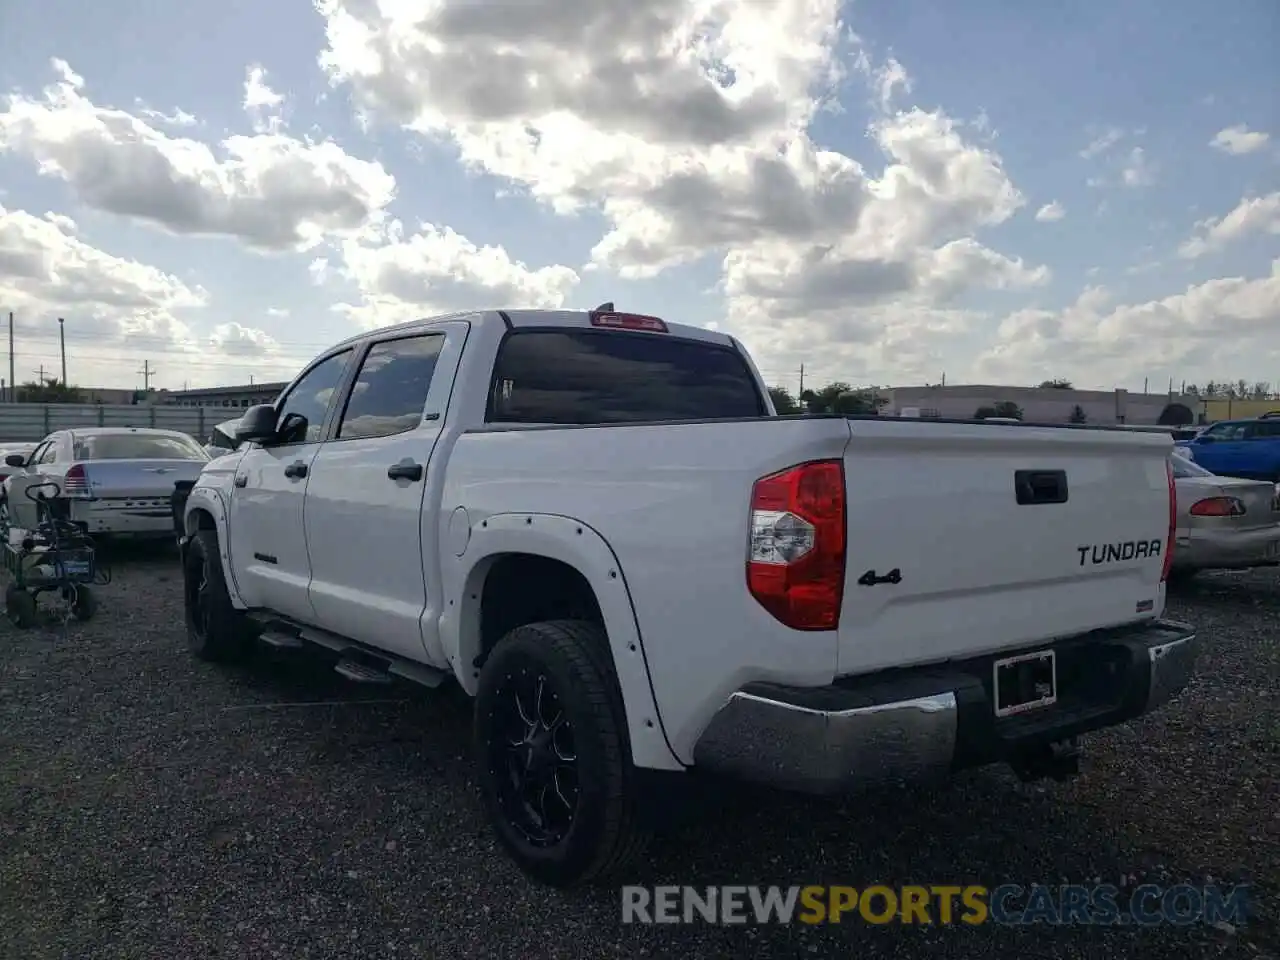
(44, 551)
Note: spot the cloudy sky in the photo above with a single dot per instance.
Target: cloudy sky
(883, 191)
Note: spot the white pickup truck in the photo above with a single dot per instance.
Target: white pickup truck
(595, 524)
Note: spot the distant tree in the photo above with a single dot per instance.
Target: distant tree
(1056, 384)
(1078, 415)
(840, 397)
(51, 391)
(1242, 389)
(783, 402)
(1005, 408)
(1176, 415)
(1192, 390)
(1260, 390)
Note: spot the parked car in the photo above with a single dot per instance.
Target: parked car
(1239, 448)
(595, 524)
(117, 479)
(1224, 523)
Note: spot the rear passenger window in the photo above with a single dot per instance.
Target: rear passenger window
(391, 390)
(588, 376)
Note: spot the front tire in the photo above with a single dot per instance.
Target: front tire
(550, 742)
(216, 631)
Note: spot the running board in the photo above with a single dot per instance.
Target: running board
(280, 640)
(361, 672)
(282, 634)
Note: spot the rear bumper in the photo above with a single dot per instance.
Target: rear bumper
(1201, 549)
(925, 723)
(150, 517)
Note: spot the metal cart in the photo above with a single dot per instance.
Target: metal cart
(44, 551)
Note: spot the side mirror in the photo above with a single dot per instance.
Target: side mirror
(15, 460)
(258, 425)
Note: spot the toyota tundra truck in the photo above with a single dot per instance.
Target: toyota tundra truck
(595, 524)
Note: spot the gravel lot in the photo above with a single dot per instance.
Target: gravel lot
(151, 806)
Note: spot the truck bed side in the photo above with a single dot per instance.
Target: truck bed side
(672, 500)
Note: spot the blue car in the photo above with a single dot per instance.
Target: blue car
(1239, 448)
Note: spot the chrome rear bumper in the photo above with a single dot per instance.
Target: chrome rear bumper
(925, 723)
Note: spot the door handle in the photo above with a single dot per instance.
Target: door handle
(405, 470)
(242, 480)
(295, 470)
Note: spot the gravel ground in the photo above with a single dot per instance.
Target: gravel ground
(151, 806)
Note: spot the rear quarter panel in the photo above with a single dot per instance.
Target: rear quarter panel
(672, 502)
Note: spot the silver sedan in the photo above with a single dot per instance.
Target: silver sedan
(1224, 523)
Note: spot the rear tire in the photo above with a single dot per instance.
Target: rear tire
(216, 631)
(20, 605)
(554, 766)
(85, 604)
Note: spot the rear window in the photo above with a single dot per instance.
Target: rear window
(588, 376)
(1183, 468)
(134, 446)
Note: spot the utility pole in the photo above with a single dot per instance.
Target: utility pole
(41, 372)
(147, 373)
(801, 376)
(62, 339)
(13, 387)
(251, 379)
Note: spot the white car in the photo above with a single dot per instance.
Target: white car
(594, 523)
(116, 480)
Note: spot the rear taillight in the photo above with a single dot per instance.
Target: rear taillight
(795, 563)
(1173, 523)
(74, 481)
(1218, 507)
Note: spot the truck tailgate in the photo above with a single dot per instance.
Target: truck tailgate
(979, 571)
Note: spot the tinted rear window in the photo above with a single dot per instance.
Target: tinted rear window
(1183, 468)
(133, 446)
(587, 376)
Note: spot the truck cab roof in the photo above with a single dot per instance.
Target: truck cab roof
(542, 318)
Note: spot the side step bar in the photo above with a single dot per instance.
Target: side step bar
(372, 665)
(361, 672)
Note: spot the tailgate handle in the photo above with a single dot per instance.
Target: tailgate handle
(1040, 486)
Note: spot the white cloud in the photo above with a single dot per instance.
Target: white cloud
(175, 118)
(695, 120)
(261, 102)
(1239, 139)
(1252, 215)
(119, 312)
(435, 270)
(1138, 171)
(1222, 324)
(235, 339)
(1102, 143)
(44, 265)
(272, 191)
(1050, 212)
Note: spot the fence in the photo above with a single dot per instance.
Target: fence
(30, 422)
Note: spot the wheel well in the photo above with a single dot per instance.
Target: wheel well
(203, 520)
(524, 588)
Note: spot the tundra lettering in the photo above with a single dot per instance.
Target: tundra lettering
(1128, 550)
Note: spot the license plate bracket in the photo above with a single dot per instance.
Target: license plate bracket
(1023, 683)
